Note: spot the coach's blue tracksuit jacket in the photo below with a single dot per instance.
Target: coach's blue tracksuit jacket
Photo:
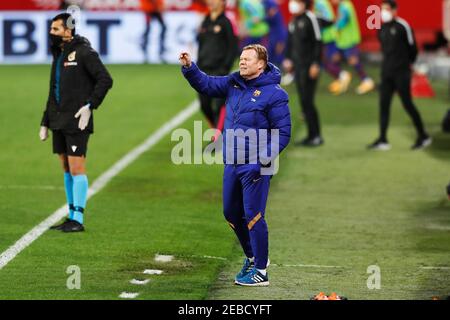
(255, 104)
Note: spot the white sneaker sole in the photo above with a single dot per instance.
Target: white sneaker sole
(383, 147)
(259, 284)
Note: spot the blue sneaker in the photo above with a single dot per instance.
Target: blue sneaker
(253, 279)
(246, 268)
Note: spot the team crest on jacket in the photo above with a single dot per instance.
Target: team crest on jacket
(256, 93)
(71, 56)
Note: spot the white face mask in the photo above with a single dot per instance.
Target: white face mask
(296, 7)
(386, 16)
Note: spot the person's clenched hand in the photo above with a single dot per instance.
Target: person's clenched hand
(185, 59)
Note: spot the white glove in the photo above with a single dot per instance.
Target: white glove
(43, 133)
(84, 114)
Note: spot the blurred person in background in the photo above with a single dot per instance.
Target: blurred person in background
(448, 191)
(65, 4)
(277, 32)
(153, 9)
(347, 41)
(303, 56)
(325, 14)
(446, 122)
(217, 51)
(253, 24)
(399, 49)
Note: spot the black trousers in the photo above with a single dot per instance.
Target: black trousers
(306, 88)
(211, 106)
(162, 35)
(400, 82)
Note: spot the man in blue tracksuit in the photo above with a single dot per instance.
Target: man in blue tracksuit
(256, 106)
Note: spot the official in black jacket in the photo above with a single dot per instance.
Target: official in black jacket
(218, 48)
(79, 83)
(399, 50)
(304, 55)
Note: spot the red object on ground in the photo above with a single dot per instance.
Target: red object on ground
(421, 87)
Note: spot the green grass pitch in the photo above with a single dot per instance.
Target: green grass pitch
(332, 211)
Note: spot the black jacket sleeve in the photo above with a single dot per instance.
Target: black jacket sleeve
(324, 23)
(289, 41)
(232, 48)
(101, 76)
(45, 122)
(413, 51)
(317, 40)
(317, 52)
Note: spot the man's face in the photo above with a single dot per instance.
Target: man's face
(387, 13)
(249, 64)
(388, 8)
(214, 4)
(57, 28)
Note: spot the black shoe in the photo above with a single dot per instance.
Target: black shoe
(422, 143)
(61, 225)
(303, 142)
(312, 142)
(73, 226)
(379, 145)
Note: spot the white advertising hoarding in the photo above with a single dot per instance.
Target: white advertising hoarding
(117, 36)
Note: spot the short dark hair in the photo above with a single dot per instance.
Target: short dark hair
(391, 3)
(65, 20)
(308, 3)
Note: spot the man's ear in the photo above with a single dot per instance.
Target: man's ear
(261, 65)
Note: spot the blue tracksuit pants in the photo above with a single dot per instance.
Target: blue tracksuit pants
(245, 193)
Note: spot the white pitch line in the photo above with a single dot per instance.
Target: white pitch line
(216, 258)
(128, 295)
(305, 266)
(25, 187)
(435, 268)
(140, 282)
(275, 265)
(438, 227)
(100, 183)
(163, 258)
(152, 271)
(208, 257)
